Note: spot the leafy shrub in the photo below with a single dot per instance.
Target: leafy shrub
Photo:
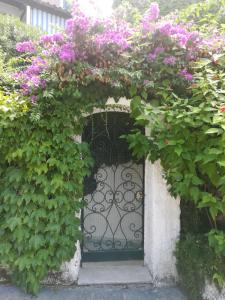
(12, 31)
(187, 135)
(206, 16)
(132, 10)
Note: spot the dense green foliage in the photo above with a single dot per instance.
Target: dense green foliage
(132, 10)
(187, 135)
(70, 73)
(206, 16)
(12, 31)
(196, 261)
(41, 176)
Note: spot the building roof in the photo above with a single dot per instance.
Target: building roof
(53, 2)
(48, 5)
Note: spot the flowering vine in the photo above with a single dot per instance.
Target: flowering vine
(113, 54)
(68, 73)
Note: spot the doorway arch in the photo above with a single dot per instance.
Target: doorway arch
(161, 218)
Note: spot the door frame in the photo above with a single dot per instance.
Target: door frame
(116, 255)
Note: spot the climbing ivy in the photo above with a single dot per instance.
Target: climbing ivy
(187, 135)
(41, 174)
(175, 77)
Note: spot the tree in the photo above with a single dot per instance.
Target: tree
(132, 10)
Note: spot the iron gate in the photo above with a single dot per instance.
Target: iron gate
(112, 219)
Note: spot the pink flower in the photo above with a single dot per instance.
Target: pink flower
(54, 50)
(114, 33)
(153, 11)
(33, 99)
(182, 39)
(26, 47)
(35, 81)
(67, 53)
(178, 33)
(166, 28)
(152, 56)
(170, 60)
(51, 38)
(80, 23)
(46, 39)
(194, 35)
(37, 66)
(188, 76)
(25, 88)
(150, 15)
(58, 37)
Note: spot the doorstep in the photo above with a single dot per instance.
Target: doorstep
(116, 272)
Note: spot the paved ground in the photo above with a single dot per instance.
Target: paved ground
(116, 272)
(145, 292)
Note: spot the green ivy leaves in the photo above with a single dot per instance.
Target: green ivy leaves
(41, 186)
(187, 135)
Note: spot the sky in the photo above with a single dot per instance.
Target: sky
(97, 8)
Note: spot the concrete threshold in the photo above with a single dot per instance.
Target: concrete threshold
(117, 272)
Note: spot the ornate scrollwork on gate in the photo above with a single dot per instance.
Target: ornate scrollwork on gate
(113, 216)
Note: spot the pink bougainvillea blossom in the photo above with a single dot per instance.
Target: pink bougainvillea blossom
(28, 46)
(153, 55)
(179, 33)
(102, 46)
(170, 60)
(67, 53)
(188, 76)
(37, 66)
(216, 42)
(30, 78)
(153, 11)
(79, 24)
(166, 28)
(34, 99)
(150, 16)
(51, 38)
(114, 33)
(80, 21)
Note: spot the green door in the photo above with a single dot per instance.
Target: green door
(112, 219)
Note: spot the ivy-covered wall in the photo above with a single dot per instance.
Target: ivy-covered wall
(172, 69)
(41, 174)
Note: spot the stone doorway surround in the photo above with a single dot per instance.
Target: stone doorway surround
(161, 222)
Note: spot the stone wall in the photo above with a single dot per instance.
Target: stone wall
(211, 292)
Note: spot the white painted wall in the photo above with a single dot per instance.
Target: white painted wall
(162, 225)
(70, 270)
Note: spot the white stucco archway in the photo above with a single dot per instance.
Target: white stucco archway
(161, 222)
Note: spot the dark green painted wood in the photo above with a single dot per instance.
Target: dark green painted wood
(112, 256)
